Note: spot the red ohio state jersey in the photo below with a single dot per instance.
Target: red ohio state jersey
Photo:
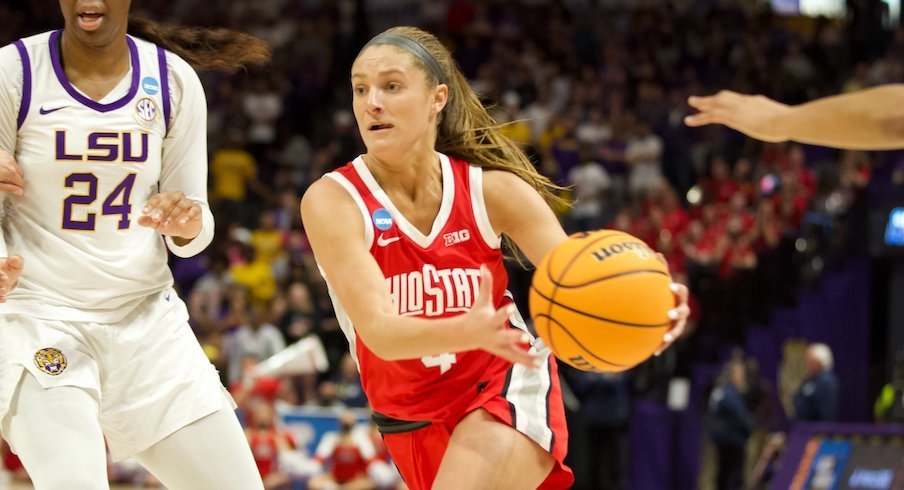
(431, 276)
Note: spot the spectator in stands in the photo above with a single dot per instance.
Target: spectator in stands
(381, 469)
(268, 445)
(348, 383)
(720, 187)
(300, 317)
(263, 106)
(209, 293)
(643, 155)
(255, 274)
(267, 240)
(889, 405)
(769, 462)
(729, 426)
(817, 398)
(254, 388)
(605, 405)
(254, 338)
(344, 457)
(232, 170)
(589, 182)
(564, 147)
(760, 399)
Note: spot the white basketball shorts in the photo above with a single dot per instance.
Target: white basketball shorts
(148, 371)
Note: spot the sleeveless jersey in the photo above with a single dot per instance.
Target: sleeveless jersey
(431, 276)
(89, 167)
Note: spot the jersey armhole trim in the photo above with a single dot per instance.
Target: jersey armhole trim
(26, 83)
(475, 175)
(164, 87)
(350, 188)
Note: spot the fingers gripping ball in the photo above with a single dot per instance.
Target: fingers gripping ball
(600, 301)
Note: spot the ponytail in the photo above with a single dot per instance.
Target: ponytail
(203, 48)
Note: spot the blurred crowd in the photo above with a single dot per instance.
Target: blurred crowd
(596, 93)
(744, 440)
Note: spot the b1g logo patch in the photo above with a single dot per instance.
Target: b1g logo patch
(50, 361)
(146, 112)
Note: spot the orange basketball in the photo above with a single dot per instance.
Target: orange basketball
(600, 301)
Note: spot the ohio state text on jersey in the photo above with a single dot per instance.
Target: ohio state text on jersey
(435, 275)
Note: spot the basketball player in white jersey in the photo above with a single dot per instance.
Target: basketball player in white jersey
(104, 166)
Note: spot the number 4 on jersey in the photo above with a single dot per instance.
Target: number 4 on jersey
(443, 361)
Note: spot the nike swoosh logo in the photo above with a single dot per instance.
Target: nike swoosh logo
(382, 241)
(44, 111)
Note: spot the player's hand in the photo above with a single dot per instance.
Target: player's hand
(485, 326)
(678, 315)
(754, 115)
(172, 214)
(11, 179)
(10, 269)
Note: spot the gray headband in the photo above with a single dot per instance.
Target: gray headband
(413, 47)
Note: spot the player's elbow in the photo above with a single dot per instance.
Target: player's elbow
(376, 334)
(893, 128)
(891, 122)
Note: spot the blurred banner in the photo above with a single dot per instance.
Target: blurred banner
(843, 457)
(308, 424)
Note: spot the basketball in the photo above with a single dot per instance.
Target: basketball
(600, 301)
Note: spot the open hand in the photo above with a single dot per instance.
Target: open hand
(484, 324)
(678, 315)
(172, 214)
(754, 115)
(10, 269)
(11, 179)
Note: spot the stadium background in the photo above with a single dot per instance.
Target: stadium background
(781, 244)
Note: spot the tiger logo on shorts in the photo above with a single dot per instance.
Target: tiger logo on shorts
(50, 360)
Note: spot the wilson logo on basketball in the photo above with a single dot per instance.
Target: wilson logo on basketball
(432, 292)
(600, 301)
(638, 248)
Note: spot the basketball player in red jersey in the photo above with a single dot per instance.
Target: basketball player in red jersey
(408, 238)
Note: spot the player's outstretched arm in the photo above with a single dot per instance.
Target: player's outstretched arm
(870, 119)
(334, 227)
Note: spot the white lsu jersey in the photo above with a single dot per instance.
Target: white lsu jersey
(89, 167)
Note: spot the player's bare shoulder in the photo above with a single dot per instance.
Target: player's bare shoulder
(498, 182)
(327, 203)
(507, 195)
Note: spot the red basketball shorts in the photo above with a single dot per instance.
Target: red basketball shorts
(528, 400)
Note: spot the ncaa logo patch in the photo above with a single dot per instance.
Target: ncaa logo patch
(150, 85)
(382, 219)
(50, 361)
(146, 112)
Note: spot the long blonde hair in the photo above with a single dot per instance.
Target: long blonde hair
(466, 130)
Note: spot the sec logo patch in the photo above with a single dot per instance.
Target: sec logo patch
(50, 361)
